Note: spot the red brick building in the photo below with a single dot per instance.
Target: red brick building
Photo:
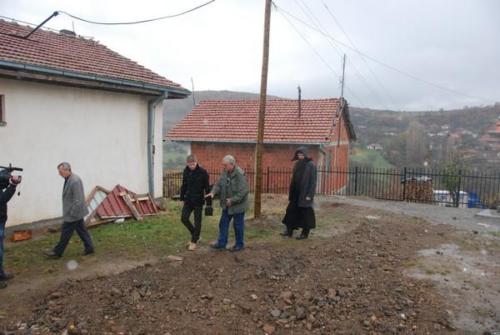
(217, 128)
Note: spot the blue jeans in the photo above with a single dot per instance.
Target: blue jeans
(2, 233)
(239, 229)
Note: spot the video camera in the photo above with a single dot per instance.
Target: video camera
(6, 174)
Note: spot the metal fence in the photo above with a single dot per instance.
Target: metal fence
(460, 189)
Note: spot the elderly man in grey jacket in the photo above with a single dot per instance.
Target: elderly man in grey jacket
(74, 212)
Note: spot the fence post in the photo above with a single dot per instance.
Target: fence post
(355, 181)
(457, 202)
(404, 184)
(267, 180)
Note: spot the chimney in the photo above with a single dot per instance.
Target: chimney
(300, 100)
(67, 32)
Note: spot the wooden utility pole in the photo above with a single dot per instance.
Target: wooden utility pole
(343, 79)
(192, 91)
(259, 148)
(342, 105)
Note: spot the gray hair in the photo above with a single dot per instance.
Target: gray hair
(65, 165)
(229, 159)
(191, 158)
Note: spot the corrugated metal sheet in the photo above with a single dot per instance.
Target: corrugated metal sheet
(113, 206)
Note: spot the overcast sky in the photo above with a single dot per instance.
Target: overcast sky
(451, 43)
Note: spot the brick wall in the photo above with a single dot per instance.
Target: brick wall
(275, 156)
(277, 160)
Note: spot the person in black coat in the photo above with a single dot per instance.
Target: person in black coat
(300, 212)
(195, 185)
(6, 193)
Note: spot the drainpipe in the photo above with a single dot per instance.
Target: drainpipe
(151, 140)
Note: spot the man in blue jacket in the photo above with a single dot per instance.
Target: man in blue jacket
(6, 193)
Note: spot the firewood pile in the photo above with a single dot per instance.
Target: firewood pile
(418, 190)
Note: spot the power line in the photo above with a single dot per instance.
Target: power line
(341, 52)
(137, 22)
(321, 58)
(382, 63)
(354, 46)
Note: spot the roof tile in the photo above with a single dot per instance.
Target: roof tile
(77, 54)
(236, 121)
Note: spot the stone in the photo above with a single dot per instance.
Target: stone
(300, 312)
(115, 291)
(254, 297)
(269, 329)
(332, 293)
(172, 258)
(275, 313)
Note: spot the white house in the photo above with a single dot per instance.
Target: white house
(68, 98)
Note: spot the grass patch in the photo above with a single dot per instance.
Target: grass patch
(153, 237)
(495, 233)
(371, 158)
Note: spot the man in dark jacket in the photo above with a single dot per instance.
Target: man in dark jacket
(5, 195)
(300, 212)
(194, 187)
(74, 212)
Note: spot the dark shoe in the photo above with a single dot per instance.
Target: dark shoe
(287, 233)
(6, 276)
(215, 246)
(302, 237)
(88, 252)
(3, 285)
(51, 255)
(236, 249)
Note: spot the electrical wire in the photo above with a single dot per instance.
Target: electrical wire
(136, 22)
(337, 75)
(379, 82)
(379, 62)
(341, 53)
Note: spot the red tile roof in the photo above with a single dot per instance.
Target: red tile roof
(236, 121)
(68, 53)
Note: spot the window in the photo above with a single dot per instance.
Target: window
(2, 110)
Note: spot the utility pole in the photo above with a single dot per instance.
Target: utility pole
(192, 90)
(262, 113)
(300, 101)
(343, 79)
(342, 105)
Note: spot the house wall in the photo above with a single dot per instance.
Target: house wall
(332, 161)
(102, 134)
(276, 156)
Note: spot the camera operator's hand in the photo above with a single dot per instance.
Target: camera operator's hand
(15, 180)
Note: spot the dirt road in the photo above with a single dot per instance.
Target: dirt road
(364, 271)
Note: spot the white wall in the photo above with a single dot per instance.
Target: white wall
(102, 134)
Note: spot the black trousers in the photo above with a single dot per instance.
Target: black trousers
(195, 230)
(67, 231)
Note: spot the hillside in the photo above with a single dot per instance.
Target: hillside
(400, 138)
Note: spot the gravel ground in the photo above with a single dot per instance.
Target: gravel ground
(462, 218)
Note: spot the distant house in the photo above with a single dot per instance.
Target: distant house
(216, 128)
(68, 98)
(375, 146)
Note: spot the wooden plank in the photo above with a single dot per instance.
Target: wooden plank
(128, 201)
